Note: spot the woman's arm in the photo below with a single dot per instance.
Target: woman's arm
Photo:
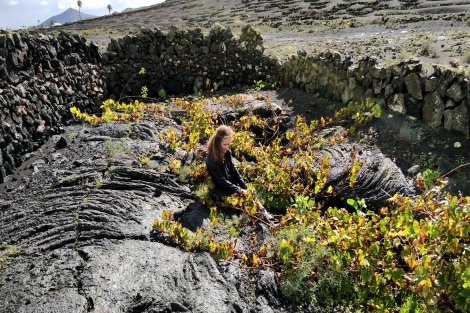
(237, 177)
(219, 177)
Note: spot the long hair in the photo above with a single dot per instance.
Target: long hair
(215, 142)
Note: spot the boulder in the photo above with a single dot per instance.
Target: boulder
(377, 179)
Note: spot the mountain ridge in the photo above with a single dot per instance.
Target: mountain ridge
(68, 16)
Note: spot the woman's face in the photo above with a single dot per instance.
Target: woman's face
(225, 143)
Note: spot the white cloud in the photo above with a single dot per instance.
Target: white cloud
(13, 2)
(65, 4)
(43, 3)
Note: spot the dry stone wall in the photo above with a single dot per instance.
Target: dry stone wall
(438, 95)
(41, 76)
(180, 61)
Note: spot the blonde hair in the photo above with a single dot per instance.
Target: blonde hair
(214, 144)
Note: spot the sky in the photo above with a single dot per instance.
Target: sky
(16, 14)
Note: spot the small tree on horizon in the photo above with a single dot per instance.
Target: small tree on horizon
(109, 8)
(79, 3)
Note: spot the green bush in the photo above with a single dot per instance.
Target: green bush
(314, 277)
(430, 177)
(113, 148)
(5, 254)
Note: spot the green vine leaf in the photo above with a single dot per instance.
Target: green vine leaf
(366, 275)
(397, 275)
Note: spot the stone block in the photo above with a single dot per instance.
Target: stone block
(413, 86)
(377, 72)
(396, 103)
(433, 109)
(455, 92)
(458, 119)
(413, 106)
(430, 84)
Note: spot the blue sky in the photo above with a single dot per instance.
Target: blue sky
(19, 13)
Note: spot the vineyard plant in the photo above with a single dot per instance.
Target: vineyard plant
(411, 255)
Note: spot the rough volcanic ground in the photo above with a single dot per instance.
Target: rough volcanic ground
(85, 229)
(85, 232)
(81, 209)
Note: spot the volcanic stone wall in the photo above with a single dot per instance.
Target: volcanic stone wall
(41, 77)
(180, 61)
(438, 95)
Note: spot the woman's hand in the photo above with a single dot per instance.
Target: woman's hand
(243, 192)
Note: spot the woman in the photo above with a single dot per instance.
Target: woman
(225, 175)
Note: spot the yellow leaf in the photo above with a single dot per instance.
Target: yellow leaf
(244, 258)
(411, 261)
(426, 261)
(262, 251)
(308, 239)
(392, 234)
(426, 283)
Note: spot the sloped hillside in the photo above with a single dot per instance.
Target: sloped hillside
(433, 31)
(237, 13)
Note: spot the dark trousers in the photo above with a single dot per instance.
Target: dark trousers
(220, 194)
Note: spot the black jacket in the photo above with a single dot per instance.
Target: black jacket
(226, 177)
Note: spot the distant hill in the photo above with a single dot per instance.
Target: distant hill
(127, 10)
(70, 15)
